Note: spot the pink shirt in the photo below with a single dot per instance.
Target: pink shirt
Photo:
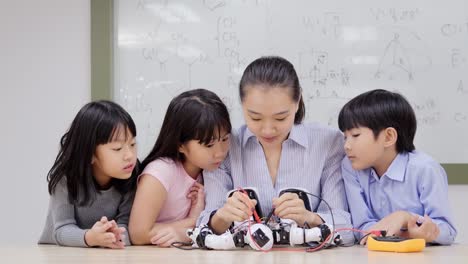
(177, 184)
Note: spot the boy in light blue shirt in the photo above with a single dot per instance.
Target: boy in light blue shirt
(389, 185)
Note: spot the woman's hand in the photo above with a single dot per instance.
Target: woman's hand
(290, 206)
(238, 208)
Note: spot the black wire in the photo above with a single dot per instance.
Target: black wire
(364, 236)
(331, 213)
(183, 245)
(269, 216)
(333, 222)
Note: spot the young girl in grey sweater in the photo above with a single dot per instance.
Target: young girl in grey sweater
(92, 182)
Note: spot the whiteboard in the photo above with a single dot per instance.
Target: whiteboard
(339, 48)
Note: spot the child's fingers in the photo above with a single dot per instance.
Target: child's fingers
(195, 187)
(192, 194)
(412, 222)
(197, 184)
(192, 190)
(200, 198)
(122, 229)
(430, 229)
(103, 227)
(201, 192)
(162, 241)
(119, 245)
(109, 238)
(116, 245)
(119, 232)
(104, 219)
(157, 236)
(427, 222)
(437, 231)
(168, 243)
(427, 218)
(113, 224)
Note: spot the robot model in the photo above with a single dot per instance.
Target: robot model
(262, 236)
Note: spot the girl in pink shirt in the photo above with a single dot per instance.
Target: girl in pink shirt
(194, 137)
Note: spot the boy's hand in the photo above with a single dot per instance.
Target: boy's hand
(392, 223)
(101, 235)
(290, 206)
(428, 230)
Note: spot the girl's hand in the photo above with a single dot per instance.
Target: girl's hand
(167, 235)
(238, 208)
(118, 232)
(428, 229)
(197, 196)
(290, 206)
(101, 235)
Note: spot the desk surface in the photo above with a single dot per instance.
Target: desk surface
(457, 253)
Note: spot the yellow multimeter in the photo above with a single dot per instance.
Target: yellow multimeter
(395, 244)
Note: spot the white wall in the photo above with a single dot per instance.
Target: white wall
(44, 80)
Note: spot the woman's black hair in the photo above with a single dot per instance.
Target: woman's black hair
(274, 72)
(193, 115)
(378, 110)
(96, 123)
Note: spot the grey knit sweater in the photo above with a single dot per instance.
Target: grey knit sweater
(66, 223)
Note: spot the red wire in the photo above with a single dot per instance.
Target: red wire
(257, 219)
(374, 232)
(255, 215)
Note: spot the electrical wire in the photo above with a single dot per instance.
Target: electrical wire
(183, 245)
(331, 213)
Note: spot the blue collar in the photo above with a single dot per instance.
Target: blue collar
(397, 169)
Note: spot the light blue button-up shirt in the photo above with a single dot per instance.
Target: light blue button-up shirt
(414, 182)
(310, 159)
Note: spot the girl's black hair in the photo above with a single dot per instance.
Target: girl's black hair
(193, 115)
(96, 123)
(377, 110)
(274, 72)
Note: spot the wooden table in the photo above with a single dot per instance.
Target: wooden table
(457, 253)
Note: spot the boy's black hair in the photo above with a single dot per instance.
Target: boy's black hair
(193, 115)
(380, 109)
(274, 72)
(96, 123)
